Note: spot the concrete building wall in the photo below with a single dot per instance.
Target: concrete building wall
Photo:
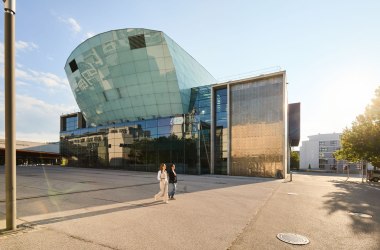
(309, 153)
(318, 150)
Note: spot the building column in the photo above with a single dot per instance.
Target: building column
(212, 131)
(229, 130)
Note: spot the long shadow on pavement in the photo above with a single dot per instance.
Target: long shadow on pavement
(357, 198)
(93, 213)
(42, 190)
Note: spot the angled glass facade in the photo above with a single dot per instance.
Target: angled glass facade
(144, 100)
(131, 74)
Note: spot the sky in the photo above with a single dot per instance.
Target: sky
(329, 49)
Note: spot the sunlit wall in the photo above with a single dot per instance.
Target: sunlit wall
(258, 132)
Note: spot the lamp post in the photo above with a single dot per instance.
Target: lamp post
(10, 100)
(362, 165)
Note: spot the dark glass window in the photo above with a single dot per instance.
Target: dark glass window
(151, 123)
(137, 42)
(73, 66)
(164, 121)
(221, 99)
(71, 123)
(164, 130)
(204, 103)
(323, 149)
(221, 132)
(150, 131)
(140, 125)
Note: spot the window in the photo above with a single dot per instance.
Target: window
(322, 149)
(137, 42)
(73, 66)
(71, 123)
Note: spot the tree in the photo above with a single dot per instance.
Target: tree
(294, 160)
(362, 140)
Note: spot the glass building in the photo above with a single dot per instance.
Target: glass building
(145, 100)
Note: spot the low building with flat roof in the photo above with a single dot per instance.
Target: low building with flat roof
(33, 153)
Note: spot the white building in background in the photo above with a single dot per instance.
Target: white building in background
(318, 152)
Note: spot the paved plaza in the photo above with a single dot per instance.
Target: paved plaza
(78, 208)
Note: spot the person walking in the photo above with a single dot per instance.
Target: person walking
(163, 178)
(172, 181)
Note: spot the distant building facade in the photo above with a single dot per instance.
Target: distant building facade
(33, 153)
(318, 153)
(144, 100)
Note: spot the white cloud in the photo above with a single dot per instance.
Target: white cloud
(26, 103)
(72, 23)
(25, 75)
(1, 54)
(47, 79)
(22, 46)
(74, 26)
(89, 34)
(23, 84)
(36, 120)
(35, 137)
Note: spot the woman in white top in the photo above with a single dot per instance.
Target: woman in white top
(163, 178)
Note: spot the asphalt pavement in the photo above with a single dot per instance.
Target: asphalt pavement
(78, 208)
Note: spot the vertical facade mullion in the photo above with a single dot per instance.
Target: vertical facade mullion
(229, 130)
(212, 146)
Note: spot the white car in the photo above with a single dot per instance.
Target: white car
(375, 175)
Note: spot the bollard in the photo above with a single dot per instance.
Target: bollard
(291, 175)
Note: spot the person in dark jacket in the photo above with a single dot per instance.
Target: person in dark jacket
(172, 181)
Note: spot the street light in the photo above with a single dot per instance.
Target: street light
(10, 116)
